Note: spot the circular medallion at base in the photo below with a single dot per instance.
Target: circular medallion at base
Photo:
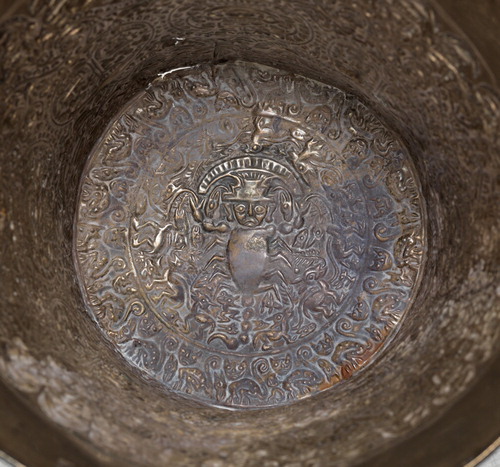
(248, 237)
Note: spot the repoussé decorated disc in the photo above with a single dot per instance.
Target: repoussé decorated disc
(246, 236)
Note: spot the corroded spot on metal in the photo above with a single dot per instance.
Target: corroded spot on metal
(248, 237)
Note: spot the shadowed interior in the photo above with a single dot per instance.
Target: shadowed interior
(69, 67)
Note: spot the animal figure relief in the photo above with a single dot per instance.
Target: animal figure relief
(257, 240)
(248, 242)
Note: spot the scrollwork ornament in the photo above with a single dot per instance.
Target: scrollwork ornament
(261, 234)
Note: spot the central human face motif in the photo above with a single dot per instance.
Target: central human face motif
(250, 213)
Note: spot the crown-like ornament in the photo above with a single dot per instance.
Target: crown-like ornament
(243, 168)
(249, 188)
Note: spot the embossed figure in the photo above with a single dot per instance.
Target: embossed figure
(237, 196)
(248, 250)
(260, 246)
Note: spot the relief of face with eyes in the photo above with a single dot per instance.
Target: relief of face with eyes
(250, 213)
(249, 202)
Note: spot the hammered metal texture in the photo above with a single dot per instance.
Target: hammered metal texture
(246, 236)
(69, 66)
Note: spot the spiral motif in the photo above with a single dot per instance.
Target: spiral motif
(260, 367)
(118, 215)
(170, 343)
(136, 308)
(234, 216)
(374, 286)
(346, 327)
(213, 362)
(305, 353)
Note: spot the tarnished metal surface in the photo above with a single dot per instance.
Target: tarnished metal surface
(69, 66)
(246, 236)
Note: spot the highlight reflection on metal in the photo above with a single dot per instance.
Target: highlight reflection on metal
(246, 236)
